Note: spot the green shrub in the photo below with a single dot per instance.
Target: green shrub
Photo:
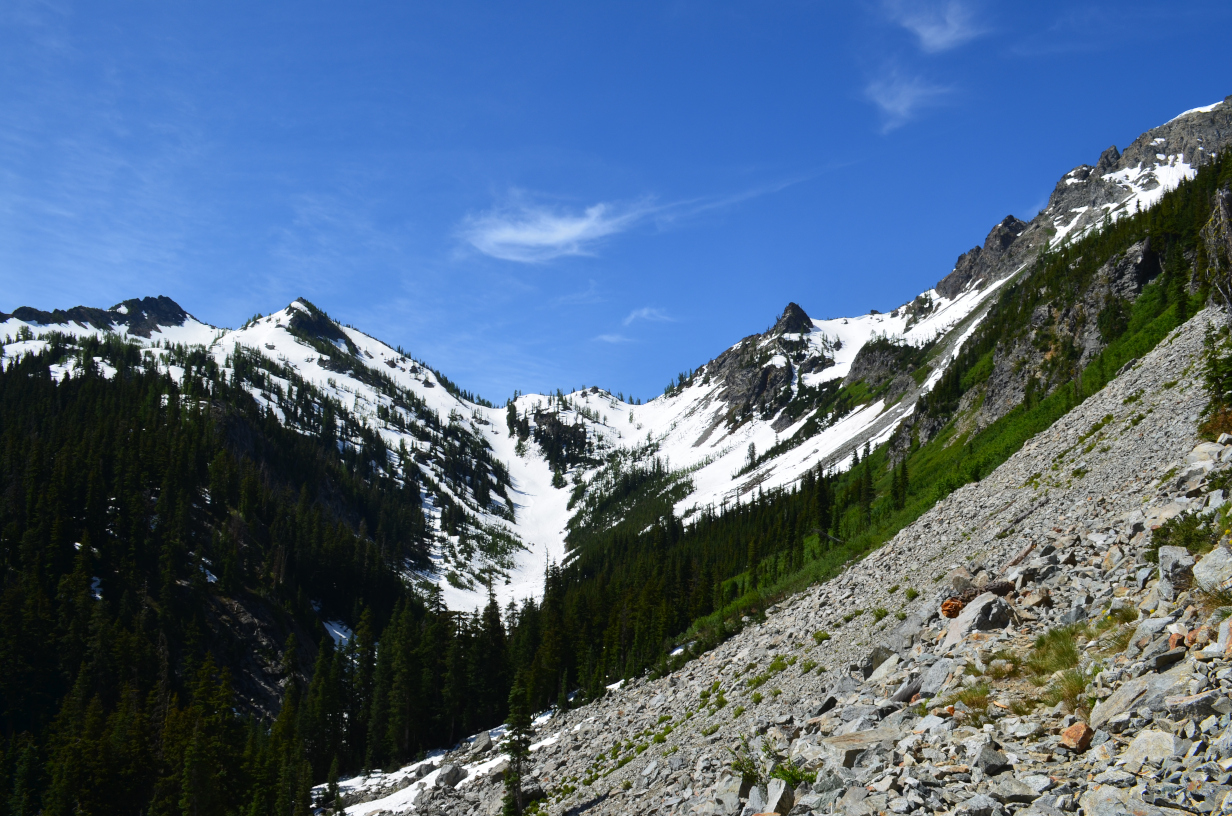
(1197, 534)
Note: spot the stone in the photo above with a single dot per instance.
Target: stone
(779, 797)
(884, 670)
(847, 749)
(1214, 571)
(978, 805)
(959, 579)
(1007, 789)
(1176, 565)
(1120, 701)
(1077, 737)
(870, 805)
(990, 761)
(1168, 658)
(450, 775)
(1037, 782)
(1192, 706)
(482, 744)
(1037, 598)
(1175, 571)
(851, 799)
(728, 793)
(985, 612)
(756, 802)
(1116, 777)
(1204, 452)
(935, 677)
(1109, 800)
(1152, 746)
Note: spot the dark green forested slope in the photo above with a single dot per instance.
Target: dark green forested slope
(139, 521)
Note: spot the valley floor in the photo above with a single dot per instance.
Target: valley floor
(1059, 534)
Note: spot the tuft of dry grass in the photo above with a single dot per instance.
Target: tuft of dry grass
(1069, 686)
(1055, 650)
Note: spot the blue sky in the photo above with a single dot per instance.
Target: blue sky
(541, 195)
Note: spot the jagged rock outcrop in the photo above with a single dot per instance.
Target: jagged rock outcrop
(976, 265)
(756, 374)
(141, 317)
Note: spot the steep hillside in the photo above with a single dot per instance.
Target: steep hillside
(1074, 664)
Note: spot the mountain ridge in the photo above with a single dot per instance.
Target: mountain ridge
(805, 395)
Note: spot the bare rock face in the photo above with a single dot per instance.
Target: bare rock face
(977, 264)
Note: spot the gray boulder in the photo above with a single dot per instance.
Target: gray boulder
(1175, 571)
(1214, 571)
(450, 775)
(934, 678)
(985, 612)
(779, 796)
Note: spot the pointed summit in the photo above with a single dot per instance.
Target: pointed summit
(793, 321)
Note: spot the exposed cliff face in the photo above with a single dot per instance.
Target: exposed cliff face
(886, 366)
(1074, 326)
(976, 265)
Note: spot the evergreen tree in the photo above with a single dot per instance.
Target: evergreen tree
(517, 745)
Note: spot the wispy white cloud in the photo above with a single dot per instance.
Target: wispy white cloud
(614, 338)
(588, 296)
(901, 97)
(938, 26)
(649, 314)
(530, 233)
(527, 232)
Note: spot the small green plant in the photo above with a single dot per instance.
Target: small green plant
(710, 729)
(850, 616)
(757, 698)
(807, 666)
(900, 615)
(792, 775)
(626, 785)
(775, 692)
(1197, 534)
(745, 764)
(893, 589)
(737, 711)
(912, 593)
(879, 613)
(821, 636)
(664, 718)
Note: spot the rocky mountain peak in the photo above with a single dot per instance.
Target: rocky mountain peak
(793, 321)
(974, 265)
(1107, 160)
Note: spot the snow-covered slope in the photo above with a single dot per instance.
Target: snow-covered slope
(497, 482)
